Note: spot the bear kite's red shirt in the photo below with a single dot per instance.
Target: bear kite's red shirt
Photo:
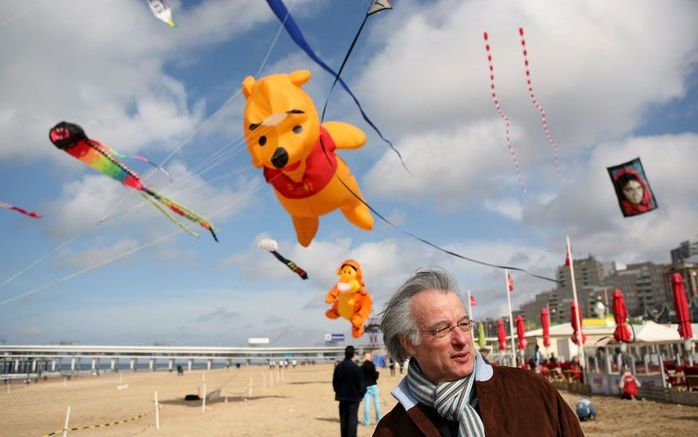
(319, 169)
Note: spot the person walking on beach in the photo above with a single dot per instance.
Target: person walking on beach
(349, 387)
(449, 390)
(371, 378)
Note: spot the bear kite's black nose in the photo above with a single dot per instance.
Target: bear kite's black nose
(280, 158)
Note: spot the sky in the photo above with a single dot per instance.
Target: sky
(617, 80)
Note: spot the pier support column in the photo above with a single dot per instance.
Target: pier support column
(208, 364)
(113, 364)
(133, 365)
(170, 364)
(16, 369)
(151, 364)
(72, 364)
(94, 365)
(33, 366)
(53, 365)
(189, 364)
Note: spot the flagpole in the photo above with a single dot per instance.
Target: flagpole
(511, 318)
(470, 315)
(580, 346)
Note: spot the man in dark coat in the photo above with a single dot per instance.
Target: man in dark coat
(349, 388)
(449, 389)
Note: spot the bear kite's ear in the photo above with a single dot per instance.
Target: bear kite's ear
(299, 77)
(247, 85)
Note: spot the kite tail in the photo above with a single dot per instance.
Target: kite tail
(503, 116)
(538, 106)
(290, 264)
(182, 211)
(168, 215)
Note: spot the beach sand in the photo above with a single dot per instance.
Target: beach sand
(301, 405)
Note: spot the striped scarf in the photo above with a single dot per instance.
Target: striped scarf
(450, 399)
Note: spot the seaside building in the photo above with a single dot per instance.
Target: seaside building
(685, 251)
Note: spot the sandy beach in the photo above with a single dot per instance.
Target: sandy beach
(300, 405)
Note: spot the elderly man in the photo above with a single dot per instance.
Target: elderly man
(449, 390)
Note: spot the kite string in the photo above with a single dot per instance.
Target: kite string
(130, 251)
(537, 105)
(118, 203)
(20, 14)
(500, 111)
(425, 241)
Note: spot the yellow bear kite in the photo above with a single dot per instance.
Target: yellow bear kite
(349, 297)
(284, 136)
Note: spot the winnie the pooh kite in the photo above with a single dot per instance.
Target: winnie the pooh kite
(349, 297)
(284, 137)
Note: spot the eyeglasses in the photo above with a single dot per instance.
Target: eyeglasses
(441, 331)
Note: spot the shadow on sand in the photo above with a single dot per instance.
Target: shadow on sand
(220, 400)
(310, 382)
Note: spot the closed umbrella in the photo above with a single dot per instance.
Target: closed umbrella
(501, 335)
(575, 327)
(545, 323)
(620, 314)
(681, 306)
(521, 333)
(481, 340)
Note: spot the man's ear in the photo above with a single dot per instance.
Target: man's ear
(407, 345)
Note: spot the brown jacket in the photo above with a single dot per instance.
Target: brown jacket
(512, 402)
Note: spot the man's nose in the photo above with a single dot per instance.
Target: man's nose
(458, 337)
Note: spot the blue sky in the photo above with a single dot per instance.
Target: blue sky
(617, 81)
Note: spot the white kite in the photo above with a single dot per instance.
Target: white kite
(162, 10)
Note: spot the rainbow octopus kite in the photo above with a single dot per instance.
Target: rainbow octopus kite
(72, 139)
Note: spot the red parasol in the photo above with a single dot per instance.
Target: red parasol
(502, 335)
(620, 314)
(575, 326)
(521, 333)
(545, 322)
(681, 307)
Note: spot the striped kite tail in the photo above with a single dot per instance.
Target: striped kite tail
(182, 211)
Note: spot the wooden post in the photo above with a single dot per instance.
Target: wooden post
(67, 421)
(157, 412)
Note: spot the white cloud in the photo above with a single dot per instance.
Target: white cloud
(596, 69)
(99, 253)
(588, 208)
(102, 65)
(83, 203)
(451, 165)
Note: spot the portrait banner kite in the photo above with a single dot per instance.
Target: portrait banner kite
(632, 188)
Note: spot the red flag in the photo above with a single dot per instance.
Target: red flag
(567, 256)
(472, 301)
(510, 283)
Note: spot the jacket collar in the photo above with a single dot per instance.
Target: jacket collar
(483, 372)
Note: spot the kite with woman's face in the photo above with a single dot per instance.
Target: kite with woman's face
(632, 189)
